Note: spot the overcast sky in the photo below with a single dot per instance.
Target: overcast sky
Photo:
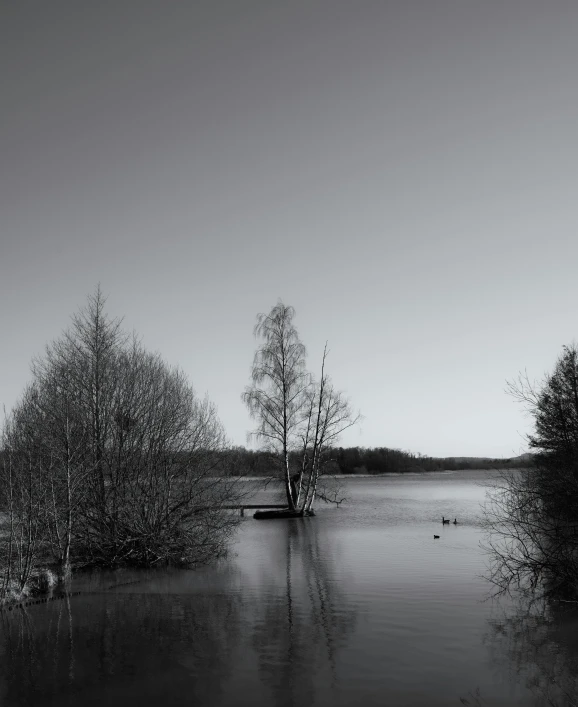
(405, 174)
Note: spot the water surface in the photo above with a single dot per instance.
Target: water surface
(359, 605)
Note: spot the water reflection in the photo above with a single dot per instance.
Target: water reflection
(301, 629)
(147, 648)
(357, 605)
(538, 643)
(168, 637)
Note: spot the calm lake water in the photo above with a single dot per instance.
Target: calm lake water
(359, 605)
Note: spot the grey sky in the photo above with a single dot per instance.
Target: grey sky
(403, 173)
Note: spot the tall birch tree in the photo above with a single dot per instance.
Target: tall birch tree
(294, 412)
(277, 397)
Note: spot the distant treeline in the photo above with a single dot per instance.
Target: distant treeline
(360, 460)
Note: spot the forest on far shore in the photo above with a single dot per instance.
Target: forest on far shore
(360, 460)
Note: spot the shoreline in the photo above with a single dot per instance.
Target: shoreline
(374, 476)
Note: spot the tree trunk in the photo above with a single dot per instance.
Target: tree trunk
(65, 569)
(290, 503)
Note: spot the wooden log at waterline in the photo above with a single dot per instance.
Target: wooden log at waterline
(285, 513)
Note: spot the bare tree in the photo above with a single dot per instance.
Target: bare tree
(114, 455)
(530, 548)
(58, 415)
(90, 351)
(294, 413)
(531, 515)
(23, 493)
(276, 398)
(167, 483)
(328, 414)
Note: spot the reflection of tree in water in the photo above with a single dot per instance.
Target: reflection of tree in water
(541, 646)
(298, 635)
(120, 648)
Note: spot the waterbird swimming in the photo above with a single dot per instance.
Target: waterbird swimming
(455, 521)
(436, 537)
(445, 520)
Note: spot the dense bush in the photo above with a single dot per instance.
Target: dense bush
(111, 458)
